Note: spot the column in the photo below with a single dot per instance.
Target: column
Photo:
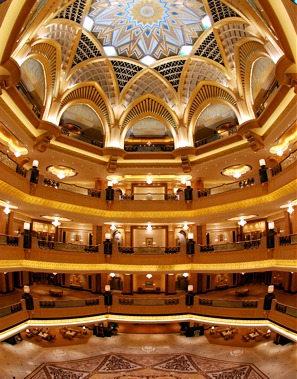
(96, 283)
(170, 284)
(128, 236)
(9, 228)
(128, 284)
(97, 235)
(201, 234)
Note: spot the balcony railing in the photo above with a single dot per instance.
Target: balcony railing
(291, 311)
(229, 303)
(216, 137)
(9, 240)
(68, 303)
(231, 246)
(148, 250)
(7, 161)
(288, 240)
(6, 311)
(62, 246)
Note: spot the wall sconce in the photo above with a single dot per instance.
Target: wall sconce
(26, 225)
(27, 241)
(28, 298)
(149, 179)
(185, 274)
(149, 276)
(112, 274)
(113, 227)
(185, 227)
(149, 227)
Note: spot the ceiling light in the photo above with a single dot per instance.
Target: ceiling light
(56, 222)
(110, 51)
(290, 208)
(61, 175)
(236, 171)
(6, 210)
(149, 276)
(112, 274)
(242, 221)
(185, 50)
(113, 227)
(185, 274)
(61, 171)
(149, 227)
(185, 227)
(148, 60)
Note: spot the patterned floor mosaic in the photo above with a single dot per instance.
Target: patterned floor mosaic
(144, 366)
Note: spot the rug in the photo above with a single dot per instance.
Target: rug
(146, 366)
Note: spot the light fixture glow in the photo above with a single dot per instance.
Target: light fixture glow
(149, 227)
(190, 236)
(56, 222)
(149, 276)
(242, 221)
(113, 227)
(290, 208)
(149, 179)
(112, 274)
(61, 175)
(236, 174)
(6, 210)
(185, 227)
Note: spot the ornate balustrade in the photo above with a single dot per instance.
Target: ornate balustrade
(231, 246)
(288, 240)
(288, 161)
(9, 240)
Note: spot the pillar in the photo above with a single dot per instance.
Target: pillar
(170, 284)
(128, 284)
(201, 234)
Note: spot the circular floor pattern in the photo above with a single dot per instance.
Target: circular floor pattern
(148, 349)
(236, 352)
(59, 352)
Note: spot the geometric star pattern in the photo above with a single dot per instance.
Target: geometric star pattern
(147, 366)
(147, 27)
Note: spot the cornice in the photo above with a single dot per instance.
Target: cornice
(269, 264)
(157, 214)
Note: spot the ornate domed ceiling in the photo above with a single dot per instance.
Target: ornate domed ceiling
(147, 27)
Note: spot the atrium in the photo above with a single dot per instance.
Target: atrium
(148, 165)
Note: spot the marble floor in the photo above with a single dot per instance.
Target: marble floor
(275, 361)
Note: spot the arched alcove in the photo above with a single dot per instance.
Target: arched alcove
(81, 122)
(149, 134)
(216, 120)
(32, 84)
(262, 79)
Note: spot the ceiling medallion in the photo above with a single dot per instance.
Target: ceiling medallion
(156, 28)
(236, 171)
(61, 171)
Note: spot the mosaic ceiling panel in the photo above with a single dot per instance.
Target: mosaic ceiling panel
(147, 27)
